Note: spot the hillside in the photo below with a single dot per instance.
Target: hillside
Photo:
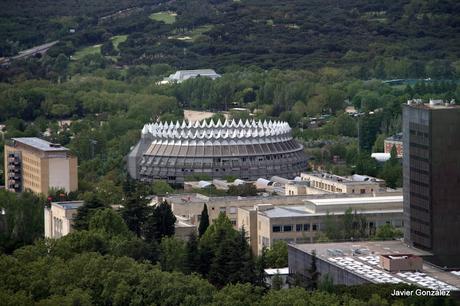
(382, 39)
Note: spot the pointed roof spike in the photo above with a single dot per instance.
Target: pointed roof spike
(219, 123)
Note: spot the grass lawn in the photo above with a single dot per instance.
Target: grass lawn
(193, 35)
(96, 49)
(166, 17)
(116, 40)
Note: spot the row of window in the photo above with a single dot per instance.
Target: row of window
(298, 228)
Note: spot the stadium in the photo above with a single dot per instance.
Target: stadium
(250, 150)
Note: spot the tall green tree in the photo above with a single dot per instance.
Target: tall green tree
(173, 254)
(108, 222)
(204, 221)
(192, 260)
(135, 212)
(92, 203)
(277, 255)
(313, 273)
(160, 222)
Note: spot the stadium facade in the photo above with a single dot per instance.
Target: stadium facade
(249, 150)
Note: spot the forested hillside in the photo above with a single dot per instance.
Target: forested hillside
(380, 39)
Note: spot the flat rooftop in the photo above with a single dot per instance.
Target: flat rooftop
(69, 204)
(301, 211)
(357, 200)
(40, 144)
(362, 258)
(343, 179)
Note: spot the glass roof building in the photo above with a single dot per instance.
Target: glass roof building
(247, 150)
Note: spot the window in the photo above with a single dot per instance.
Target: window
(287, 228)
(362, 191)
(232, 209)
(222, 210)
(233, 222)
(265, 241)
(306, 227)
(276, 228)
(298, 227)
(315, 227)
(352, 191)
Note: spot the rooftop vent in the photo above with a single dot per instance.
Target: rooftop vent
(55, 145)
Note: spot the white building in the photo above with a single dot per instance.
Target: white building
(59, 218)
(183, 75)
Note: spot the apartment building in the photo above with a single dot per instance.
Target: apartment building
(37, 165)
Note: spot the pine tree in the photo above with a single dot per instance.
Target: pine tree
(313, 272)
(192, 261)
(204, 222)
(92, 203)
(160, 222)
(277, 282)
(135, 212)
(260, 265)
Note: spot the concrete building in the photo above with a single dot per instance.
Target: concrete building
(362, 262)
(339, 184)
(282, 273)
(38, 165)
(190, 205)
(183, 228)
(248, 150)
(397, 142)
(183, 75)
(267, 223)
(431, 170)
(59, 217)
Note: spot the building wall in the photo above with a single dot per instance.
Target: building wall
(300, 262)
(247, 219)
(340, 187)
(192, 210)
(59, 173)
(431, 179)
(445, 182)
(388, 146)
(58, 221)
(73, 179)
(305, 229)
(40, 171)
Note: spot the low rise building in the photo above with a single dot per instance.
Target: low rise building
(266, 223)
(183, 75)
(59, 216)
(362, 262)
(282, 273)
(37, 165)
(394, 141)
(183, 229)
(339, 184)
(190, 205)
